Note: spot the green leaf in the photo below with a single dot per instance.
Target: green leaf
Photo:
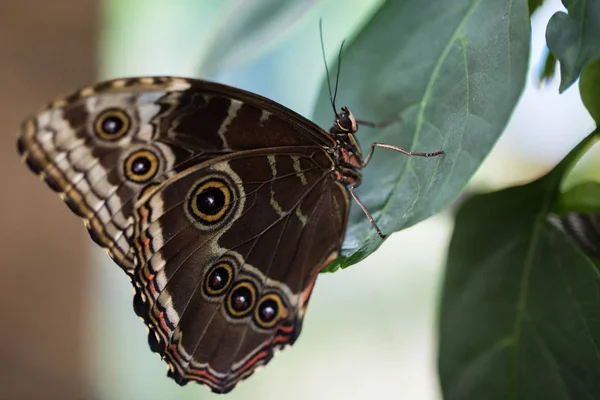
(520, 305)
(452, 71)
(251, 28)
(549, 68)
(574, 38)
(589, 89)
(585, 198)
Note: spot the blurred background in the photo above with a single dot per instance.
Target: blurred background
(67, 328)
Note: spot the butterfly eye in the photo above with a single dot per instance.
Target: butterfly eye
(141, 166)
(241, 299)
(346, 122)
(210, 201)
(218, 279)
(112, 124)
(269, 311)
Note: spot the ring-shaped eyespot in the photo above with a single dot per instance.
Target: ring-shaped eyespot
(141, 166)
(210, 201)
(112, 124)
(218, 278)
(269, 311)
(241, 299)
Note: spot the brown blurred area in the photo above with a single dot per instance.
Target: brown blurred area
(46, 48)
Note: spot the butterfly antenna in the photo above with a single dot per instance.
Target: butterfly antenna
(331, 97)
(337, 75)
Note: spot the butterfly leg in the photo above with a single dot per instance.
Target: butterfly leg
(398, 149)
(366, 211)
(364, 164)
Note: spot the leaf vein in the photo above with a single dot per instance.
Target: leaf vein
(425, 101)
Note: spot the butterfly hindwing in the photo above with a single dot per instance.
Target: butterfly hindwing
(281, 220)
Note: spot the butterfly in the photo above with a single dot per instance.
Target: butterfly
(220, 205)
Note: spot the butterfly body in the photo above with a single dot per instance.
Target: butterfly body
(220, 205)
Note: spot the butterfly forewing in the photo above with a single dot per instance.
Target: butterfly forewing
(166, 125)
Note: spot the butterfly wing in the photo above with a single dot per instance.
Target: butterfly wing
(220, 205)
(100, 147)
(222, 291)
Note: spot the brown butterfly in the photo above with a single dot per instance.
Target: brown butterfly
(220, 205)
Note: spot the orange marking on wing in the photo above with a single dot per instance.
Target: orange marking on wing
(286, 328)
(281, 339)
(146, 244)
(308, 290)
(174, 353)
(145, 241)
(263, 354)
(259, 356)
(161, 318)
(153, 290)
(203, 373)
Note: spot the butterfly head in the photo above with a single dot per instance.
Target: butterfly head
(345, 121)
